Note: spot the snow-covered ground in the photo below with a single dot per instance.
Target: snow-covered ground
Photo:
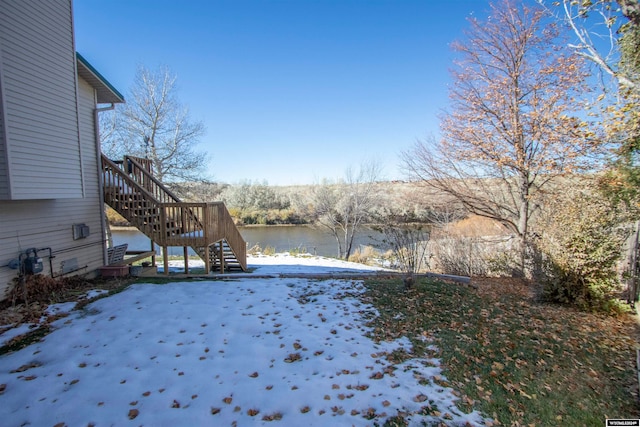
(250, 351)
(284, 263)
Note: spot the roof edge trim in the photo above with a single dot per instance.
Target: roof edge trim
(116, 96)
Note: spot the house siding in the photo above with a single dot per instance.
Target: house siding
(49, 223)
(49, 177)
(4, 178)
(43, 158)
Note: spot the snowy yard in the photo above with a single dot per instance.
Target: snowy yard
(262, 351)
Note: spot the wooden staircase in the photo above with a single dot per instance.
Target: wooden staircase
(131, 190)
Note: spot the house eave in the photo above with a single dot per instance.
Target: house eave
(106, 93)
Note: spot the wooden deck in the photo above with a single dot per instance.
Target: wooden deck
(131, 190)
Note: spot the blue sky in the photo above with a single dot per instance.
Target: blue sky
(290, 91)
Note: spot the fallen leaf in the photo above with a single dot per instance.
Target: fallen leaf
(272, 417)
(133, 413)
(377, 376)
(293, 357)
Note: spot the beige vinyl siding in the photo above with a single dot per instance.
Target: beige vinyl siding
(39, 92)
(5, 194)
(49, 223)
(4, 178)
(94, 206)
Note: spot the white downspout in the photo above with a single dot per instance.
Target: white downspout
(103, 217)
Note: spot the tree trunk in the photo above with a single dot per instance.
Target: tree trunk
(523, 227)
(348, 242)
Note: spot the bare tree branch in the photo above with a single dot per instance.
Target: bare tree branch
(342, 208)
(153, 124)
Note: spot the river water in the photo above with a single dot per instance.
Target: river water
(301, 238)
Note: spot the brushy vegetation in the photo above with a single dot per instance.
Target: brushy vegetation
(581, 244)
(518, 361)
(41, 292)
(253, 216)
(259, 204)
(368, 255)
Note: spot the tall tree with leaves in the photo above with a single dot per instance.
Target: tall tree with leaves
(511, 128)
(155, 125)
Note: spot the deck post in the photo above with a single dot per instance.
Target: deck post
(207, 259)
(186, 259)
(221, 254)
(165, 257)
(153, 257)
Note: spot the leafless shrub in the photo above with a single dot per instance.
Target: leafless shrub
(408, 242)
(473, 256)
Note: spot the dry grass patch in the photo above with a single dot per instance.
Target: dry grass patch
(514, 359)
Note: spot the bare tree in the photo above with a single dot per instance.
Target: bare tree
(408, 242)
(602, 28)
(155, 125)
(343, 207)
(511, 129)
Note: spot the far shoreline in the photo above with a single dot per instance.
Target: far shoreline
(131, 227)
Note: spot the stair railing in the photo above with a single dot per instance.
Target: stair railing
(176, 223)
(132, 201)
(140, 170)
(220, 220)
